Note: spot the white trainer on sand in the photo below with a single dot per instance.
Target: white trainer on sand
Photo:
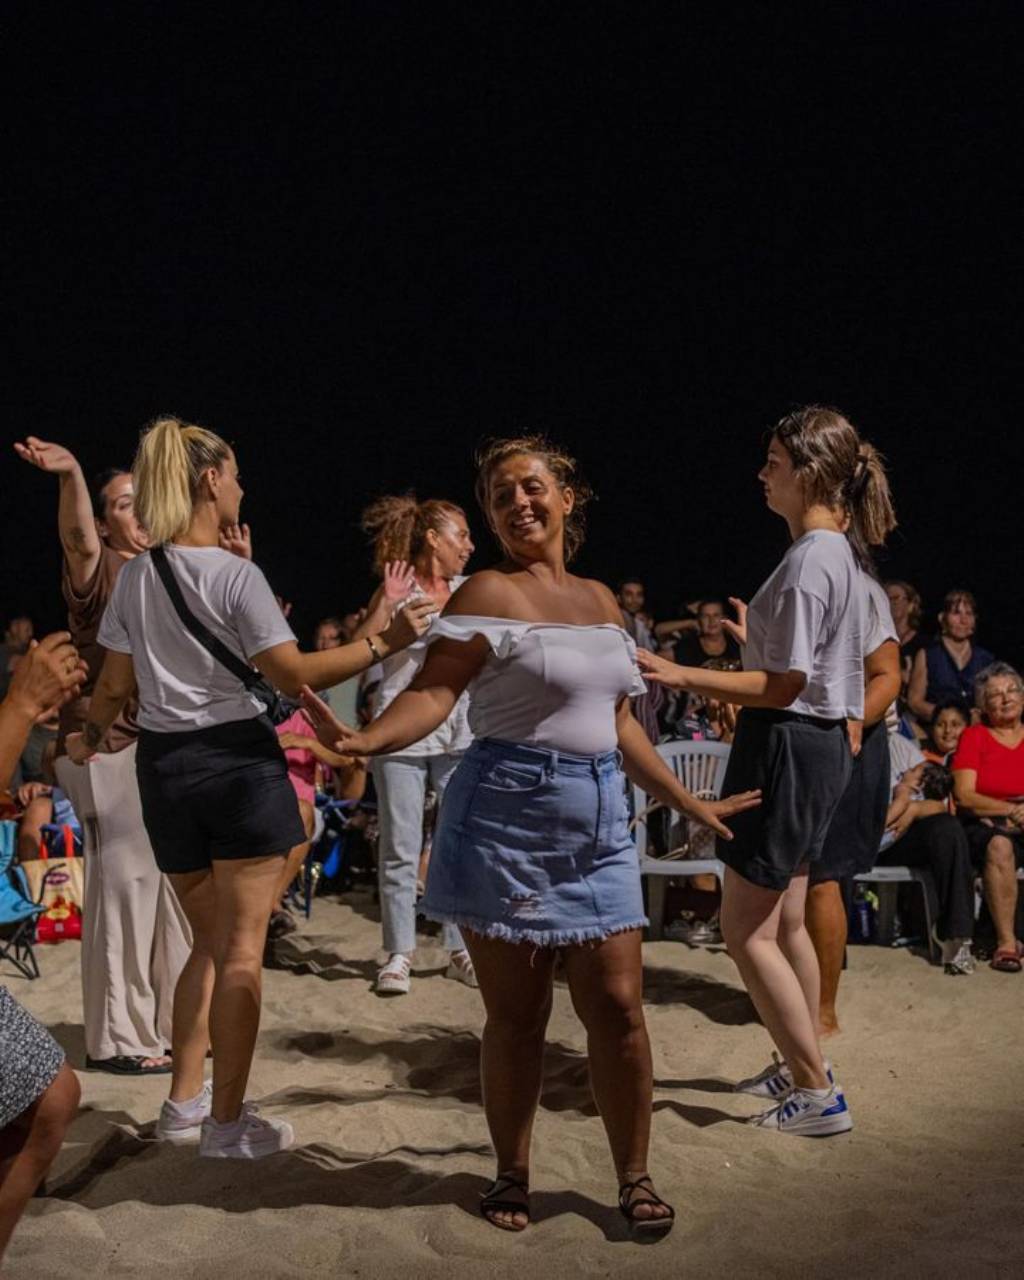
(250, 1137)
(395, 978)
(807, 1115)
(182, 1121)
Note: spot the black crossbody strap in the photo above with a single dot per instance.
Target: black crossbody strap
(202, 633)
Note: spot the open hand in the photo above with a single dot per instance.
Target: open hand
(237, 538)
(29, 791)
(409, 623)
(737, 629)
(53, 458)
(713, 812)
(660, 670)
(399, 580)
(48, 674)
(335, 735)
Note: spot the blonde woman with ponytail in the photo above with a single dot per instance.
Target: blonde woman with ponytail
(421, 550)
(806, 636)
(216, 800)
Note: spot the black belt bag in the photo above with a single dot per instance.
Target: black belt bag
(279, 708)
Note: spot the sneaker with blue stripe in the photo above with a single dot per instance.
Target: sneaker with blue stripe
(807, 1115)
(775, 1081)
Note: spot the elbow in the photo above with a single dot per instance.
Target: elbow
(783, 690)
(290, 686)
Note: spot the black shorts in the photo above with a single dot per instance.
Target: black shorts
(978, 837)
(802, 766)
(216, 793)
(858, 824)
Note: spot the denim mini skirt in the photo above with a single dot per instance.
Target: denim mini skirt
(533, 846)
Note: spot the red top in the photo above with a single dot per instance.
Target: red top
(1000, 769)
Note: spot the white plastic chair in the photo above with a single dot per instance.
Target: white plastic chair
(700, 767)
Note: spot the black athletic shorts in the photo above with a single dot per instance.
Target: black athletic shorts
(858, 824)
(216, 793)
(802, 765)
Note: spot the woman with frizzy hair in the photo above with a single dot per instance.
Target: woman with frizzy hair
(421, 550)
(806, 635)
(532, 853)
(185, 621)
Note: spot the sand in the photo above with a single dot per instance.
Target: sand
(393, 1148)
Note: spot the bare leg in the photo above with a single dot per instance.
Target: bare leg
(244, 891)
(826, 923)
(29, 1144)
(30, 830)
(194, 989)
(606, 982)
(1000, 879)
(751, 919)
(296, 857)
(515, 982)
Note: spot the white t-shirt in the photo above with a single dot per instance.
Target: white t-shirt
(879, 627)
(809, 616)
(181, 685)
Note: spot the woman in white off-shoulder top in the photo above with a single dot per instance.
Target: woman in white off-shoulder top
(533, 853)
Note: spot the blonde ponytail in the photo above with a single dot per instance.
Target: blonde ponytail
(168, 469)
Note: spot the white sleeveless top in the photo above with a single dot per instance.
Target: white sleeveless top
(548, 684)
(450, 738)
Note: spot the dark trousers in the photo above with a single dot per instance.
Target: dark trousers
(939, 844)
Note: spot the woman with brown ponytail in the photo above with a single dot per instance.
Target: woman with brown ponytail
(806, 636)
(421, 550)
(216, 800)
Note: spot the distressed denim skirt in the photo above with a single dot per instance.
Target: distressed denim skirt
(533, 846)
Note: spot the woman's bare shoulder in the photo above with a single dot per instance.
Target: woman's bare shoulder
(486, 594)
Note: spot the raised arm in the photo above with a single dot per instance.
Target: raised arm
(399, 579)
(76, 523)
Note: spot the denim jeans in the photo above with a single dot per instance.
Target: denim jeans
(401, 783)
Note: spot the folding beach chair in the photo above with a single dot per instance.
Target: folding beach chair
(18, 913)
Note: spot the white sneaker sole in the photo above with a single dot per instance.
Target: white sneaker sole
(821, 1126)
(279, 1140)
(396, 988)
(180, 1137)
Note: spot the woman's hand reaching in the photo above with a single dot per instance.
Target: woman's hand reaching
(712, 813)
(399, 580)
(660, 670)
(333, 733)
(409, 624)
(737, 629)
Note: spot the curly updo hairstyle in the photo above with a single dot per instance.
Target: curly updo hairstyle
(562, 465)
(398, 526)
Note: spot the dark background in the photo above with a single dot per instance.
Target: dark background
(354, 239)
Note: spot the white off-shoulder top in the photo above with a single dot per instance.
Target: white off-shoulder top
(547, 684)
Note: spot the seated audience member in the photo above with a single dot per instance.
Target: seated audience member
(947, 668)
(350, 624)
(920, 832)
(988, 777)
(905, 603)
(42, 805)
(39, 1093)
(951, 718)
(685, 622)
(327, 634)
(632, 600)
(710, 640)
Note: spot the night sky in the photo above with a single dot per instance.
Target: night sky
(354, 239)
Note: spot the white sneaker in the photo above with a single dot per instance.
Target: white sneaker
(957, 959)
(395, 978)
(250, 1137)
(182, 1121)
(807, 1115)
(775, 1081)
(460, 968)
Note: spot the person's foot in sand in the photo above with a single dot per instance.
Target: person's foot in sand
(642, 1207)
(506, 1202)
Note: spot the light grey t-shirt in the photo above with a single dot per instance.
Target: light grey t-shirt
(810, 616)
(878, 628)
(181, 685)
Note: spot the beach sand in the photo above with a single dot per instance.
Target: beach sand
(392, 1148)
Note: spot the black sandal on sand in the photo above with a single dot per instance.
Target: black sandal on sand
(492, 1201)
(645, 1228)
(124, 1064)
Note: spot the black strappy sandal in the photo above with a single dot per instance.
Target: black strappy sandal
(645, 1228)
(492, 1202)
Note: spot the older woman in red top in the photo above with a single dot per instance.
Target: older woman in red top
(988, 779)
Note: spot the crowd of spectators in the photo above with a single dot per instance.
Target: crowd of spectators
(956, 734)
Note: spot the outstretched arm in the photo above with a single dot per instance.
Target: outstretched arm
(76, 523)
(743, 688)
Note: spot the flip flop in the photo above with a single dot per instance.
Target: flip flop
(1007, 959)
(125, 1064)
